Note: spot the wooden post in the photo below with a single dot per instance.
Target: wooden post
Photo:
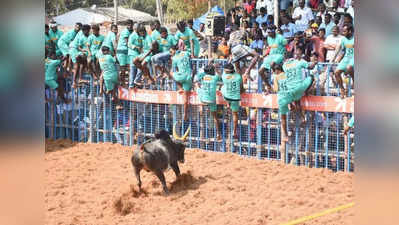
(209, 37)
(276, 13)
(116, 11)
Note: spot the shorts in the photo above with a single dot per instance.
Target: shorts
(293, 94)
(161, 59)
(283, 102)
(300, 89)
(123, 59)
(212, 106)
(276, 58)
(110, 82)
(185, 81)
(51, 83)
(234, 104)
(74, 53)
(345, 62)
(239, 52)
(63, 47)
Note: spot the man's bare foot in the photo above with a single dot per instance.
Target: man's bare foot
(218, 137)
(118, 107)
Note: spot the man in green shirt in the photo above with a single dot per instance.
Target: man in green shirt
(231, 91)
(290, 86)
(109, 75)
(80, 49)
(155, 29)
(142, 61)
(181, 72)
(135, 48)
(160, 60)
(48, 44)
(346, 61)
(122, 51)
(110, 40)
(95, 42)
(55, 35)
(65, 40)
(191, 42)
(276, 43)
(206, 83)
(51, 74)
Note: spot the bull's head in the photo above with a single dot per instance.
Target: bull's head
(184, 137)
(163, 135)
(180, 147)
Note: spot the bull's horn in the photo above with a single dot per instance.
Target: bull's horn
(175, 136)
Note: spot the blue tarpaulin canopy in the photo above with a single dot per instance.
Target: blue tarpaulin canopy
(215, 10)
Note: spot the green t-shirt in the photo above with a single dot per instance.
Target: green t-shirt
(166, 43)
(47, 41)
(109, 41)
(50, 66)
(147, 40)
(55, 36)
(155, 35)
(135, 41)
(181, 61)
(95, 43)
(231, 88)
(208, 87)
(122, 44)
(68, 36)
(81, 41)
(348, 45)
(293, 70)
(186, 36)
(108, 66)
(277, 44)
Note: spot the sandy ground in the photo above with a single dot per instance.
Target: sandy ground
(93, 184)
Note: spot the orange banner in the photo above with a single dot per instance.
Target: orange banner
(254, 100)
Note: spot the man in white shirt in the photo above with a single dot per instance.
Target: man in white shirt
(260, 4)
(331, 43)
(302, 15)
(335, 8)
(350, 10)
(270, 7)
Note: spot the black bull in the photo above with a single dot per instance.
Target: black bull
(157, 155)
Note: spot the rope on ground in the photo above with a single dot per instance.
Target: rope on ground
(325, 212)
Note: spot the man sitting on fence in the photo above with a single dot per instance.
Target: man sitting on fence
(109, 75)
(206, 83)
(52, 78)
(161, 60)
(239, 52)
(231, 91)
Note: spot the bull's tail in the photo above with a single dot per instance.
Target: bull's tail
(184, 137)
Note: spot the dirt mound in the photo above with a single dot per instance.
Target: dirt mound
(95, 184)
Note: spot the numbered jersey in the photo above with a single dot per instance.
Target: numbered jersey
(231, 88)
(207, 92)
(107, 65)
(348, 45)
(280, 83)
(181, 61)
(294, 71)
